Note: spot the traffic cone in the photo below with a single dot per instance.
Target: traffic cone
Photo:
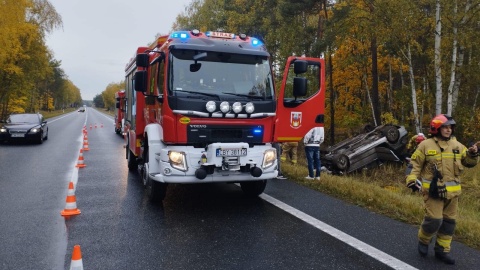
(71, 203)
(76, 263)
(90, 126)
(101, 125)
(95, 125)
(85, 143)
(81, 161)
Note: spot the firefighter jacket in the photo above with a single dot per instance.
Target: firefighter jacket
(450, 157)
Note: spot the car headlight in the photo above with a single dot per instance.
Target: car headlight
(177, 160)
(269, 158)
(3, 130)
(34, 130)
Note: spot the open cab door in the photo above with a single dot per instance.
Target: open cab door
(301, 99)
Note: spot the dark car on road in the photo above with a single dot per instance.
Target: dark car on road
(31, 127)
(385, 143)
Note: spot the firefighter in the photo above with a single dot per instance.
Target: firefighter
(289, 149)
(411, 146)
(414, 142)
(438, 162)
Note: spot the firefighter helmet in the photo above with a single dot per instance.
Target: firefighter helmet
(420, 137)
(439, 121)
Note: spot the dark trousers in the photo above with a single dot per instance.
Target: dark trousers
(313, 159)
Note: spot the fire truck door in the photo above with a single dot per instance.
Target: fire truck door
(296, 115)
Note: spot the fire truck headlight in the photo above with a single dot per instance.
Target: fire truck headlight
(177, 160)
(3, 130)
(224, 107)
(249, 108)
(237, 107)
(211, 106)
(269, 158)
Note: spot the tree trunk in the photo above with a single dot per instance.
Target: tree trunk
(375, 102)
(454, 62)
(438, 61)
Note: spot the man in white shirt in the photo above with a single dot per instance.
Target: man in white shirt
(312, 141)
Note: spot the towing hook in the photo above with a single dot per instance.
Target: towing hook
(255, 171)
(201, 173)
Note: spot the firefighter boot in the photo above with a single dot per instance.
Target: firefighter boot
(422, 249)
(444, 257)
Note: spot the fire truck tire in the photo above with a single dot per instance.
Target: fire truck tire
(132, 161)
(156, 191)
(253, 188)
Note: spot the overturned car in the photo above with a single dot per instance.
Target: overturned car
(385, 143)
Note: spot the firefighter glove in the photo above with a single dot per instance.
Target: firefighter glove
(413, 185)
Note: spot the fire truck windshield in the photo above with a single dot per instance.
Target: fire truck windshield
(220, 73)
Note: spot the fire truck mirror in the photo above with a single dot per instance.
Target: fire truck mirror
(195, 67)
(142, 60)
(117, 105)
(300, 66)
(299, 87)
(140, 80)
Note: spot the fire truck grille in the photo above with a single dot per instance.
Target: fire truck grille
(227, 134)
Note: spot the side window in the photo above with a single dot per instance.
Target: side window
(313, 81)
(160, 77)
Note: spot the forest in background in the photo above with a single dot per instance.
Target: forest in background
(387, 61)
(31, 79)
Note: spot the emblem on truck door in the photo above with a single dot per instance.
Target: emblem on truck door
(295, 119)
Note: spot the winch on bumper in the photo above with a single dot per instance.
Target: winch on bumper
(218, 162)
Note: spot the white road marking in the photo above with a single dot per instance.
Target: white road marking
(353, 242)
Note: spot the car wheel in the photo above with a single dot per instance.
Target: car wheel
(392, 134)
(40, 140)
(253, 188)
(341, 161)
(46, 136)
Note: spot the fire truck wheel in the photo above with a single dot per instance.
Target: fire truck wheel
(253, 188)
(132, 161)
(156, 191)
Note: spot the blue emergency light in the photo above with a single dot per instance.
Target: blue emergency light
(180, 34)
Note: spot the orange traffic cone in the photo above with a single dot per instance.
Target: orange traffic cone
(80, 162)
(95, 125)
(85, 143)
(90, 126)
(101, 125)
(76, 263)
(71, 203)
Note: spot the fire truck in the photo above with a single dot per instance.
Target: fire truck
(202, 107)
(119, 111)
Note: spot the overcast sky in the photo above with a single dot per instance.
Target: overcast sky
(99, 37)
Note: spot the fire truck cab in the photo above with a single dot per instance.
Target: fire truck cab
(119, 111)
(203, 107)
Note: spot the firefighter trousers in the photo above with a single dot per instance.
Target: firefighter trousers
(439, 220)
(289, 149)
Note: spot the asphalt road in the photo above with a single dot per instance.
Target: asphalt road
(210, 226)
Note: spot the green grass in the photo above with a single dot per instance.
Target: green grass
(382, 190)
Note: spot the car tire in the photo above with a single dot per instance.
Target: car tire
(253, 188)
(341, 161)
(40, 140)
(46, 136)
(392, 134)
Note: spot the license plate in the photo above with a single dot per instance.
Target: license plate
(231, 152)
(18, 135)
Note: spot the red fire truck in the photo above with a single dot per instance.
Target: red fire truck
(202, 107)
(119, 111)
